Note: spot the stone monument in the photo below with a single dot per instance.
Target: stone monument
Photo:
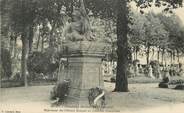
(150, 72)
(84, 56)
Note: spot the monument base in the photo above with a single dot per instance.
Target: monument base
(85, 72)
(84, 69)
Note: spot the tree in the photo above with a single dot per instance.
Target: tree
(122, 30)
(172, 24)
(137, 32)
(22, 15)
(5, 65)
(122, 50)
(155, 34)
(51, 14)
(25, 14)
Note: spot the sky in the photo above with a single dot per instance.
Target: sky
(178, 11)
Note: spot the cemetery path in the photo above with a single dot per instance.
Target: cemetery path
(142, 98)
(147, 97)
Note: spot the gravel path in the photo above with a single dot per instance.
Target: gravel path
(145, 96)
(142, 98)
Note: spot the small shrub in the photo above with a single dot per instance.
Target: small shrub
(6, 62)
(45, 63)
(60, 91)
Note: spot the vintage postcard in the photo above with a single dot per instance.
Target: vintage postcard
(92, 56)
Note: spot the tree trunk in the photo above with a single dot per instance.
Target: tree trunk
(174, 56)
(178, 56)
(42, 44)
(147, 54)
(122, 50)
(15, 48)
(158, 54)
(52, 37)
(163, 51)
(14, 58)
(30, 38)
(12, 46)
(38, 41)
(136, 52)
(30, 45)
(24, 59)
(153, 55)
(171, 55)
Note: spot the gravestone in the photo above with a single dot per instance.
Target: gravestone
(150, 72)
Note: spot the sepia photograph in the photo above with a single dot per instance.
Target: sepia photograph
(92, 56)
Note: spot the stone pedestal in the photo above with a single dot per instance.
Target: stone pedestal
(84, 70)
